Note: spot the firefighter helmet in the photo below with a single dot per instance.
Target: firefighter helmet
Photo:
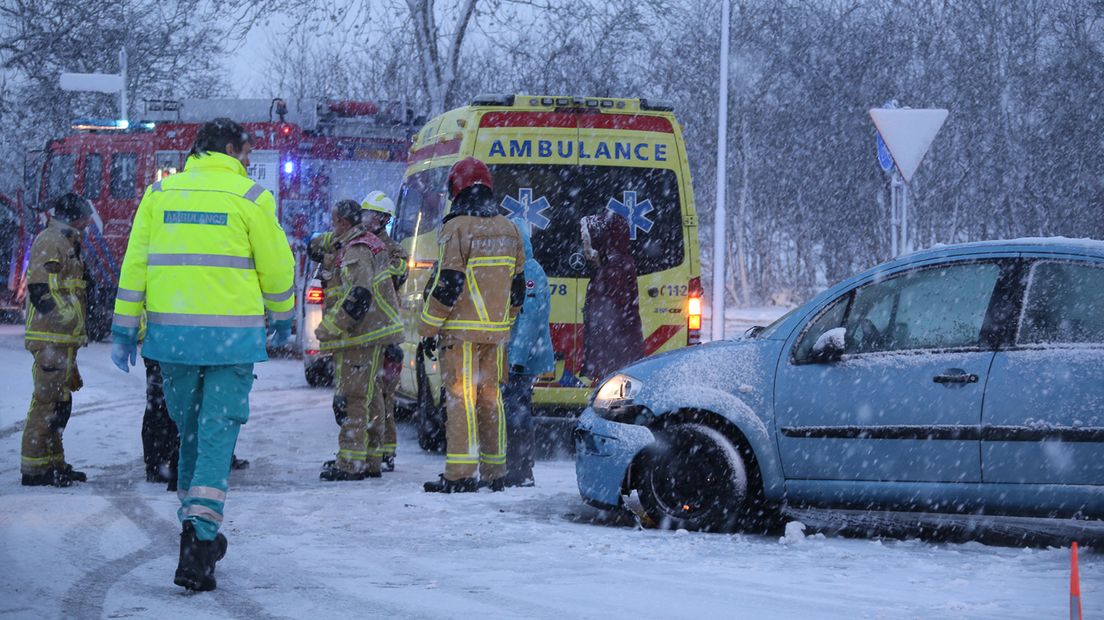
(379, 202)
(466, 173)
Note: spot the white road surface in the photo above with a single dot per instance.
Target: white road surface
(303, 548)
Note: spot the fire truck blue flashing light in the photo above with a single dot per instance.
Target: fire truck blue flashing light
(289, 167)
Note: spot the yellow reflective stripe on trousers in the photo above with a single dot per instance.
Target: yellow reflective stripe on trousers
(498, 402)
(352, 455)
(469, 400)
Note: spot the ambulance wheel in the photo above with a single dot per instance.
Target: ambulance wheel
(431, 422)
(695, 479)
(320, 373)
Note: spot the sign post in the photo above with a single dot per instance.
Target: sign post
(108, 83)
(719, 212)
(907, 135)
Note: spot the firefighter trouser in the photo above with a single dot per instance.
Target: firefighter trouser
(55, 377)
(160, 441)
(208, 404)
(389, 375)
(358, 408)
(517, 396)
(475, 431)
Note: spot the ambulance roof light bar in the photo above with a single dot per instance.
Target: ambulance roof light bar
(493, 99)
(657, 105)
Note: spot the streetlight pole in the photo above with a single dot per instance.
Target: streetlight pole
(719, 213)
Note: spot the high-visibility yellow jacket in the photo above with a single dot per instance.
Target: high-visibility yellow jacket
(479, 284)
(206, 258)
(56, 305)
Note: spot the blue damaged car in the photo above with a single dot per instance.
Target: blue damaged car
(964, 378)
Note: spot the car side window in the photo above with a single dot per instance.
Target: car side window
(929, 308)
(1063, 304)
(830, 318)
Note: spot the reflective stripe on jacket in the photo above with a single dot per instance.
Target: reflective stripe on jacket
(206, 257)
(55, 262)
(488, 252)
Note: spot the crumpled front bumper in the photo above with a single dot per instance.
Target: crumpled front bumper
(603, 452)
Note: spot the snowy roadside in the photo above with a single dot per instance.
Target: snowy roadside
(299, 547)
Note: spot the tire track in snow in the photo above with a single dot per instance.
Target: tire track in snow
(87, 595)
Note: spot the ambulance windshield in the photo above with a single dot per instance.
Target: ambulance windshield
(554, 199)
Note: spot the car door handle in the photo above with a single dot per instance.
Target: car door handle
(955, 378)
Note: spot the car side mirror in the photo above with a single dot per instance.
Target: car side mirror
(829, 347)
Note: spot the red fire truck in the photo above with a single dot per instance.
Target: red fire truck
(308, 153)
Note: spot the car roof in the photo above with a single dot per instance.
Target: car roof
(1027, 245)
(1048, 245)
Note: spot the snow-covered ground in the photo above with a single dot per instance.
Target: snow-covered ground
(303, 548)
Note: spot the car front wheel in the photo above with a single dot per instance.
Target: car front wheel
(694, 479)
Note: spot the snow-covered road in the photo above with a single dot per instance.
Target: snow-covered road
(302, 548)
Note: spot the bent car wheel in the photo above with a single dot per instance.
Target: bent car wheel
(694, 479)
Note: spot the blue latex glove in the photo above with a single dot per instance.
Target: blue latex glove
(283, 334)
(121, 352)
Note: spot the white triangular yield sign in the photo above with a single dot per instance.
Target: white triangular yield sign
(908, 133)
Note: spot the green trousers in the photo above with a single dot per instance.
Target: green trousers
(208, 404)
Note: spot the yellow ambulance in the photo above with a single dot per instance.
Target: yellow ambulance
(556, 160)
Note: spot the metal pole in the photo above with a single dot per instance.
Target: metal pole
(719, 213)
(123, 90)
(906, 243)
(893, 216)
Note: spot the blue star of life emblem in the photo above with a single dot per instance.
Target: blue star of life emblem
(529, 210)
(636, 213)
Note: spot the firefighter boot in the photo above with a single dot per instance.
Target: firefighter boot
(389, 462)
(331, 473)
(196, 568)
(496, 485)
(444, 485)
(54, 477)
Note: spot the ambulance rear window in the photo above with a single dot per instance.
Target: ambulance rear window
(555, 198)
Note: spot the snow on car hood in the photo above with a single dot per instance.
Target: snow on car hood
(705, 375)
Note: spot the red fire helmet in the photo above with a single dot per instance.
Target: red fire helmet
(467, 172)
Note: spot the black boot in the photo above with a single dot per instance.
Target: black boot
(389, 463)
(53, 477)
(236, 463)
(496, 485)
(196, 568)
(444, 485)
(331, 473)
(72, 474)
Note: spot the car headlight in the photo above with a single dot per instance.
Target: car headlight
(616, 392)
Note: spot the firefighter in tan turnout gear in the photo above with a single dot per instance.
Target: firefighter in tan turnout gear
(378, 209)
(475, 296)
(357, 327)
(56, 311)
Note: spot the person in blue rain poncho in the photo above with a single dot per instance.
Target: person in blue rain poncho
(530, 354)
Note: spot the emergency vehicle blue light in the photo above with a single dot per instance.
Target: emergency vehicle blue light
(289, 167)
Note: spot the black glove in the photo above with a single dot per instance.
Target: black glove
(517, 369)
(429, 347)
(393, 353)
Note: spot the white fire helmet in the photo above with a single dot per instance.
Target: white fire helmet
(379, 202)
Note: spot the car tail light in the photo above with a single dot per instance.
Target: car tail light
(314, 295)
(694, 312)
